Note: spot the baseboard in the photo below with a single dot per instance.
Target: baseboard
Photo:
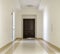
(18, 38)
(39, 38)
(6, 46)
(34, 38)
(55, 47)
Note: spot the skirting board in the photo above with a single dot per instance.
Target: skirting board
(55, 47)
(34, 38)
(39, 38)
(18, 38)
(6, 46)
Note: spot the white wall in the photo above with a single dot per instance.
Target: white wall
(53, 22)
(53, 32)
(19, 21)
(5, 22)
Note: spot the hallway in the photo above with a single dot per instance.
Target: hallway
(44, 31)
(29, 47)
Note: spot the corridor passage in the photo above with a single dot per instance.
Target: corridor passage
(29, 47)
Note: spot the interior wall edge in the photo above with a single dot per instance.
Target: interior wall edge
(52, 45)
(18, 38)
(5, 46)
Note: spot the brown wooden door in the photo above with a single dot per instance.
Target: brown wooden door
(28, 28)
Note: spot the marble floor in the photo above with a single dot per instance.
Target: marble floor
(29, 47)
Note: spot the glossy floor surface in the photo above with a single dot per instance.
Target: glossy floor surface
(29, 47)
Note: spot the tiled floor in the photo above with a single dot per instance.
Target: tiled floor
(29, 47)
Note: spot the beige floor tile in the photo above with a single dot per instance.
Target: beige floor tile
(29, 47)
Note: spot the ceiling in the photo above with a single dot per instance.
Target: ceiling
(29, 3)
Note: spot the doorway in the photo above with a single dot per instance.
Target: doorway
(28, 28)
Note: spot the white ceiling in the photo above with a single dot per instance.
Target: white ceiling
(29, 3)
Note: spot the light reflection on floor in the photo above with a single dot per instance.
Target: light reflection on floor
(28, 47)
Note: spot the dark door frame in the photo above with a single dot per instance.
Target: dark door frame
(34, 27)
